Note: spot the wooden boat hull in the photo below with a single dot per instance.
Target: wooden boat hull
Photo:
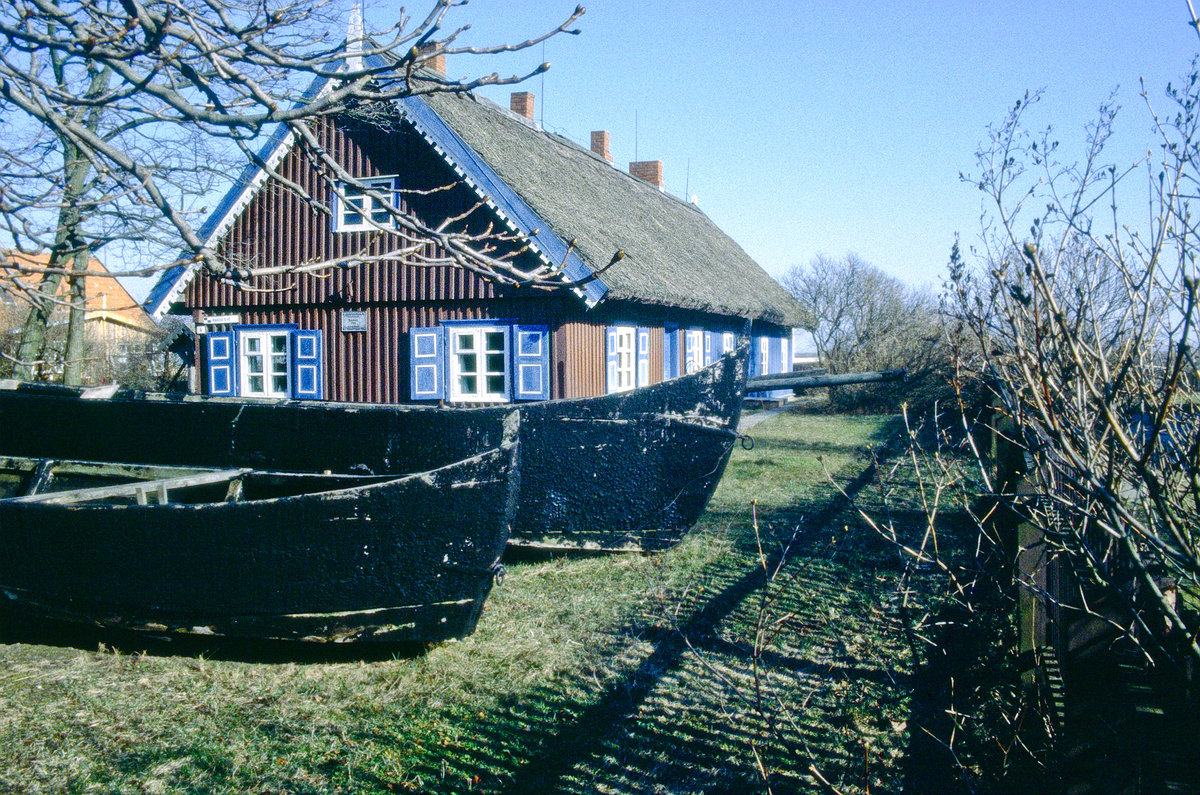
(625, 471)
(630, 470)
(378, 561)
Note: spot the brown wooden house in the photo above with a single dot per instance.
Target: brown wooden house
(395, 331)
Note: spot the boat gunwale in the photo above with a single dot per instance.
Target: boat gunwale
(377, 482)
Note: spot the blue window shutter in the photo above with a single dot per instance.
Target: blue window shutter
(756, 364)
(222, 362)
(670, 351)
(308, 376)
(643, 356)
(427, 363)
(531, 363)
(775, 355)
(610, 359)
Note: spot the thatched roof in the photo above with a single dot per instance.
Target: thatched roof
(674, 254)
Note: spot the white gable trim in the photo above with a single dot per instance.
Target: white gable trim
(486, 198)
(235, 201)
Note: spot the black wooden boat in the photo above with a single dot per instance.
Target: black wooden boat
(257, 555)
(627, 470)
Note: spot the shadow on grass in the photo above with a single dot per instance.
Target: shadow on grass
(835, 704)
(16, 628)
(677, 712)
(764, 445)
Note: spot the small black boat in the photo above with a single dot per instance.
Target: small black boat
(245, 554)
(629, 470)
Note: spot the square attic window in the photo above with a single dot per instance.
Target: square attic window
(359, 211)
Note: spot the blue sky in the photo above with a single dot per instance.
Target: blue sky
(827, 127)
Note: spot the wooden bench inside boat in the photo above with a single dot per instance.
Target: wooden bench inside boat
(61, 482)
(142, 491)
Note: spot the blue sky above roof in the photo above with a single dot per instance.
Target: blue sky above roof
(824, 127)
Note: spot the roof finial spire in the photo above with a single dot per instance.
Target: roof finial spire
(354, 38)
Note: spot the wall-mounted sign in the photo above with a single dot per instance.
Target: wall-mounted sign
(221, 320)
(354, 320)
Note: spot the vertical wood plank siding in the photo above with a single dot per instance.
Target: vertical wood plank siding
(585, 374)
(585, 369)
(279, 227)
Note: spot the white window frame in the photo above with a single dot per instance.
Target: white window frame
(478, 335)
(626, 337)
(343, 202)
(263, 338)
(695, 362)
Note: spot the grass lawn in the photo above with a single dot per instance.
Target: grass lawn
(683, 671)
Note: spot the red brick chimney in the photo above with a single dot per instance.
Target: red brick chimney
(648, 171)
(436, 63)
(600, 142)
(521, 103)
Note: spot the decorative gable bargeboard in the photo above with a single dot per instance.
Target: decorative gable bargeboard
(393, 331)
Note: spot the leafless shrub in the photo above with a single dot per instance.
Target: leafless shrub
(867, 320)
(1083, 326)
(1073, 439)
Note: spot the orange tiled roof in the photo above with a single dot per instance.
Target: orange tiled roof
(106, 299)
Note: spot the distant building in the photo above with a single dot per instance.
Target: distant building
(804, 349)
(121, 340)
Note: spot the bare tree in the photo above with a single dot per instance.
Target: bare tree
(117, 118)
(868, 320)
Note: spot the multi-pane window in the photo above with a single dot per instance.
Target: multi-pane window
(479, 361)
(479, 364)
(264, 363)
(358, 211)
(276, 361)
(626, 359)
